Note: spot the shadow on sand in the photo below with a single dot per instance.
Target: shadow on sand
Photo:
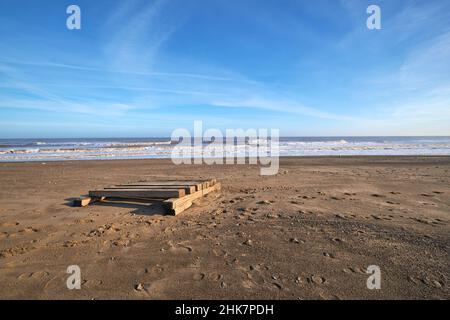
(141, 207)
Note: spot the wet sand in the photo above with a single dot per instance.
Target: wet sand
(309, 232)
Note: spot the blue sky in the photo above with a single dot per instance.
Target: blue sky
(143, 68)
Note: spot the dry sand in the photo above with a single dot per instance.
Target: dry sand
(308, 233)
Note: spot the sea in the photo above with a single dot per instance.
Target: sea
(24, 150)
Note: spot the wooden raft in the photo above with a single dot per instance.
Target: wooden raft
(175, 195)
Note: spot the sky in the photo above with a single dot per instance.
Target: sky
(143, 68)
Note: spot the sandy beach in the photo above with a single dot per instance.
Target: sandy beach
(309, 232)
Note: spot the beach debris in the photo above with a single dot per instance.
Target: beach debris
(175, 195)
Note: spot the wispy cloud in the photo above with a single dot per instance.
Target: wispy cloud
(314, 65)
(67, 106)
(281, 105)
(111, 69)
(135, 45)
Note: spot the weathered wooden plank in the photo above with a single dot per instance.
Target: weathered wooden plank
(172, 203)
(187, 189)
(210, 183)
(138, 193)
(179, 202)
(84, 201)
(171, 181)
(180, 209)
(204, 182)
(197, 184)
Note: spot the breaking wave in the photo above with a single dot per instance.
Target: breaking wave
(47, 150)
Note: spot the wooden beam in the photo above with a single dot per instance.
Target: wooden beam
(197, 184)
(139, 193)
(176, 195)
(179, 202)
(180, 208)
(84, 201)
(187, 189)
(204, 183)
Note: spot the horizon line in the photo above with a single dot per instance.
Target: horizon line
(287, 136)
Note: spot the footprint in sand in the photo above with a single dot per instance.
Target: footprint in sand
(421, 220)
(10, 252)
(276, 285)
(121, 242)
(70, 243)
(220, 252)
(215, 276)
(392, 202)
(83, 221)
(439, 221)
(319, 280)
(297, 241)
(337, 240)
(38, 275)
(91, 283)
(198, 276)
(426, 281)
(378, 195)
(154, 269)
(50, 282)
(327, 296)
(428, 204)
(28, 230)
(357, 270)
(9, 224)
(179, 248)
(414, 280)
(247, 284)
(106, 229)
(255, 275)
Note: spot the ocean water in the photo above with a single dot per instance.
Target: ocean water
(14, 150)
